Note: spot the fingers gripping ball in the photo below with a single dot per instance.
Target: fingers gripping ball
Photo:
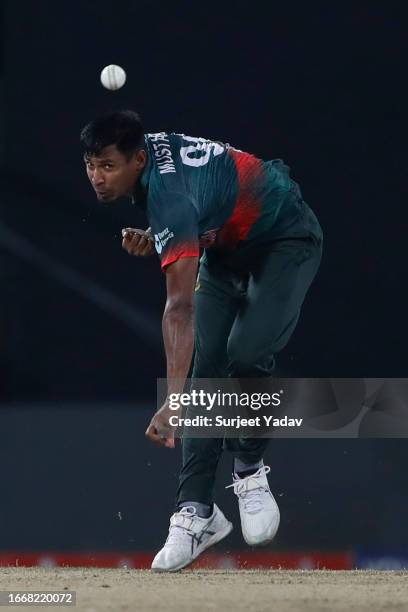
(113, 77)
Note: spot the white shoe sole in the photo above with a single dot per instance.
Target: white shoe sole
(214, 539)
(267, 540)
(261, 543)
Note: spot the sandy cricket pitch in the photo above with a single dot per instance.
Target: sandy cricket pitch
(200, 590)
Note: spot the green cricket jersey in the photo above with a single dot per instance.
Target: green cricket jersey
(204, 194)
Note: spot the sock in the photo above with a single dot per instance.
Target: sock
(203, 510)
(246, 469)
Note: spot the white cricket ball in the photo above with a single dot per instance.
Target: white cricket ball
(113, 77)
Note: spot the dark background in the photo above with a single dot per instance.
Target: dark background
(321, 85)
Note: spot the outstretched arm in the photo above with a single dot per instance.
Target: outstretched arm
(178, 326)
(178, 336)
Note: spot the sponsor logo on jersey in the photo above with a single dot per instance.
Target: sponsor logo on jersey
(162, 152)
(162, 238)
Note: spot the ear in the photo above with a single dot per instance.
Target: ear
(140, 159)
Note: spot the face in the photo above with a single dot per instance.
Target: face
(112, 174)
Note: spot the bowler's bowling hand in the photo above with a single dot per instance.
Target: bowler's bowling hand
(138, 242)
(160, 431)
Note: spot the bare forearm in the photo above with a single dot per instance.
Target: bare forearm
(178, 336)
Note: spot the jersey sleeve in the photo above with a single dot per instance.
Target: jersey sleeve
(174, 222)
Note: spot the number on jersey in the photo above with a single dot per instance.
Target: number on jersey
(198, 152)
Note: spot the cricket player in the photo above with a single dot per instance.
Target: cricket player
(237, 305)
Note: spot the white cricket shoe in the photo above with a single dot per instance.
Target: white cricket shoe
(189, 535)
(257, 507)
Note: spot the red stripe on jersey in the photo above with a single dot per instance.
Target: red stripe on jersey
(178, 251)
(248, 205)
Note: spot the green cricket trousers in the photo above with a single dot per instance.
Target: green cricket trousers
(244, 314)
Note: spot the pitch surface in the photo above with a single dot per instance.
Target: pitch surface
(122, 590)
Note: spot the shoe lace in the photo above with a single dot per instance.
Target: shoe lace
(177, 531)
(251, 490)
